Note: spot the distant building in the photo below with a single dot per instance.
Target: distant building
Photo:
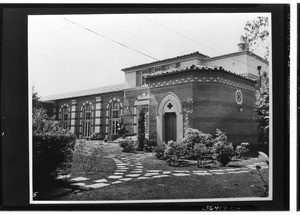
(220, 91)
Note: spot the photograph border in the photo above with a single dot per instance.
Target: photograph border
(16, 16)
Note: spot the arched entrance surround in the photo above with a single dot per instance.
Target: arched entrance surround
(170, 108)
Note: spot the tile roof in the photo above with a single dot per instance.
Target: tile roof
(94, 91)
(196, 68)
(168, 59)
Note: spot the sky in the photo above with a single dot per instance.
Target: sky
(66, 57)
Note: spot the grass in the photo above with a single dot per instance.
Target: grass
(185, 187)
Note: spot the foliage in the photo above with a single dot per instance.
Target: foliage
(174, 150)
(35, 99)
(256, 36)
(159, 151)
(188, 112)
(128, 145)
(192, 137)
(223, 150)
(242, 149)
(149, 145)
(89, 157)
(201, 151)
(122, 129)
(141, 130)
(265, 188)
(97, 136)
(261, 113)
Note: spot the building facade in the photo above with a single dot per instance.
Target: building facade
(205, 93)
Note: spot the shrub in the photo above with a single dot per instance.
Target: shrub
(174, 150)
(89, 157)
(160, 151)
(97, 136)
(52, 148)
(149, 145)
(192, 137)
(222, 149)
(242, 149)
(128, 145)
(141, 130)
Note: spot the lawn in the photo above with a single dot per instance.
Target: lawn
(173, 187)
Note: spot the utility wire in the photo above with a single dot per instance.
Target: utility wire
(169, 29)
(110, 39)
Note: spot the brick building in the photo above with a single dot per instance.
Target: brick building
(219, 91)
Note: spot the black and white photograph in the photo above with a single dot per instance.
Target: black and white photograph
(150, 107)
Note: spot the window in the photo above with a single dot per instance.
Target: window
(87, 120)
(166, 67)
(141, 78)
(115, 116)
(177, 65)
(157, 69)
(64, 117)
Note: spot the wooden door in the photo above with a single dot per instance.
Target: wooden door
(170, 127)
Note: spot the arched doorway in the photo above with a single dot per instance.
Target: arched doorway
(169, 119)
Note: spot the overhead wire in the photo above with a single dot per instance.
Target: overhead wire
(101, 35)
(169, 29)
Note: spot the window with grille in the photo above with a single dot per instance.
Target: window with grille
(115, 116)
(65, 117)
(177, 65)
(87, 120)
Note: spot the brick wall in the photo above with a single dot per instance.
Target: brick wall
(214, 102)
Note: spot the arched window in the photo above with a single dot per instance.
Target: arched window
(114, 117)
(87, 120)
(64, 117)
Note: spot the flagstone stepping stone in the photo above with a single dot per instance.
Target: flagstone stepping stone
(63, 176)
(125, 179)
(116, 182)
(133, 175)
(161, 176)
(115, 176)
(98, 185)
(219, 173)
(202, 173)
(233, 172)
(119, 173)
(80, 179)
(243, 172)
(153, 170)
(100, 180)
(151, 174)
(230, 169)
(182, 171)
(121, 170)
(141, 178)
(166, 172)
(79, 184)
(180, 174)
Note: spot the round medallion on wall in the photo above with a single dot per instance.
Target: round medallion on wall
(239, 97)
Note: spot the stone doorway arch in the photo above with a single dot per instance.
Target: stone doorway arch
(169, 114)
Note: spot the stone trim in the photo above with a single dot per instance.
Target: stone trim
(201, 80)
(98, 108)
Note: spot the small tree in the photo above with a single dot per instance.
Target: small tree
(261, 112)
(122, 130)
(35, 99)
(256, 36)
(141, 130)
(188, 111)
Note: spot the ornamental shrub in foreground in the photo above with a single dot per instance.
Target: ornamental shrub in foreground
(128, 145)
(52, 148)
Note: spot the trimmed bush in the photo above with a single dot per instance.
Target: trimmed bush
(97, 136)
(160, 151)
(52, 148)
(149, 145)
(242, 149)
(128, 145)
(223, 150)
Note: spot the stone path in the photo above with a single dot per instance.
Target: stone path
(131, 168)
